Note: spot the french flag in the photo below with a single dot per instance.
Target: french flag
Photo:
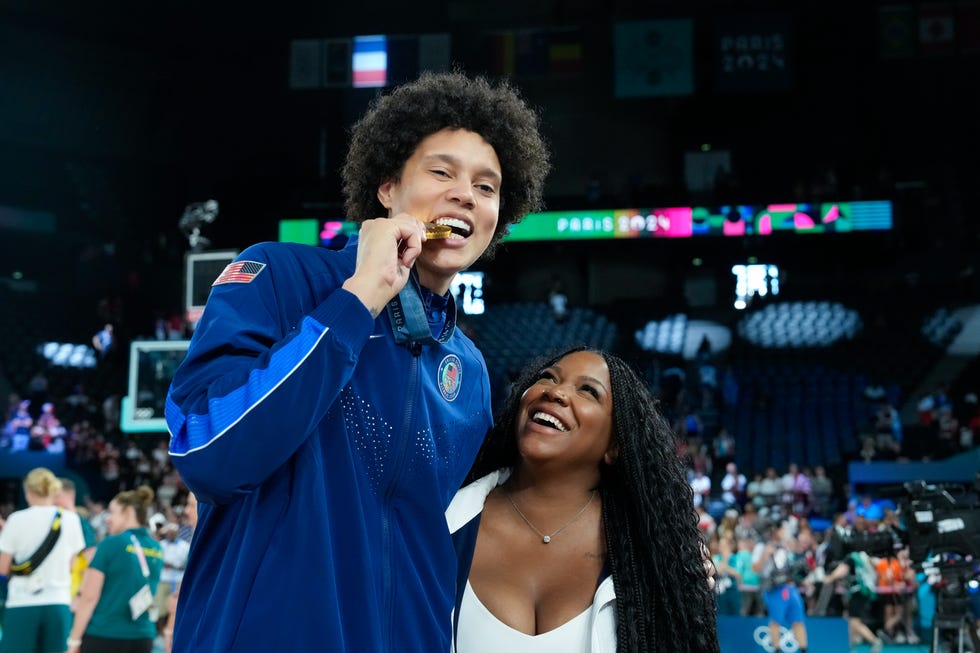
(370, 61)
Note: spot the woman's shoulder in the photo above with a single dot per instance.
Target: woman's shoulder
(469, 500)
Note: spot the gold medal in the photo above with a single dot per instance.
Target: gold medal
(435, 231)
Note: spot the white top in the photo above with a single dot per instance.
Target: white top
(481, 632)
(600, 632)
(50, 584)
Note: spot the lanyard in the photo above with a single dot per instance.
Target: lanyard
(409, 322)
(145, 568)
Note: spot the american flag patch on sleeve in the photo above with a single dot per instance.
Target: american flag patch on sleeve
(239, 272)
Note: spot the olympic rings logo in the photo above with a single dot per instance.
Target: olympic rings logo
(787, 642)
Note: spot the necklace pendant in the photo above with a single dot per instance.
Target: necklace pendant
(546, 539)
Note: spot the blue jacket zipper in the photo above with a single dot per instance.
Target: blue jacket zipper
(400, 447)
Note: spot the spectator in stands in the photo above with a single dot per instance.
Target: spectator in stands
(896, 579)
(37, 545)
(888, 427)
(869, 449)
(752, 604)
(376, 415)
(821, 492)
(51, 425)
(796, 489)
(748, 522)
(13, 402)
(581, 425)
(770, 489)
(175, 553)
(176, 326)
(18, 429)
(869, 510)
(724, 446)
(926, 407)
(706, 523)
(188, 518)
(948, 436)
(558, 301)
(729, 579)
(103, 341)
(701, 486)
(114, 611)
(753, 491)
(733, 485)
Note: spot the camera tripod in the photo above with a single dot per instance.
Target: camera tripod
(952, 615)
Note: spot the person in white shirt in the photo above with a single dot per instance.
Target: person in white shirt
(701, 485)
(733, 485)
(37, 546)
(175, 552)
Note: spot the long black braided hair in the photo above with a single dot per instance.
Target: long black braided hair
(663, 601)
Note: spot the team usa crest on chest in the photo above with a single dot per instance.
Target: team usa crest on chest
(449, 377)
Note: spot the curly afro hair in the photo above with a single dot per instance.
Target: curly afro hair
(394, 125)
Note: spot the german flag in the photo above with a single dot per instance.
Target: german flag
(565, 52)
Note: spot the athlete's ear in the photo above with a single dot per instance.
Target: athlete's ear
(384, 193)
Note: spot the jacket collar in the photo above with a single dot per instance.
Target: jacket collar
(468, 502)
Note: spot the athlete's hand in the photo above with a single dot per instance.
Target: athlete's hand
(386, 251)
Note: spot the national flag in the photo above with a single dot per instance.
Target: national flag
(370, 61)
(896, 31)
(239, 272)
(936, 28)
(565, 52)
(535, 53)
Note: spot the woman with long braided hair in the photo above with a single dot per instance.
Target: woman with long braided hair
(577, 529)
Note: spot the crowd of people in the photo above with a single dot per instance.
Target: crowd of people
(87, 578)
(581, 517)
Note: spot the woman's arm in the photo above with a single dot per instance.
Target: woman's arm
(88, 598)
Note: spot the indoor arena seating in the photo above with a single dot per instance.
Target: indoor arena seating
(801, 413)
(802, 370)
(666, 336)
(510, 335)
(33, 321)
(800, 324)
(941, 327)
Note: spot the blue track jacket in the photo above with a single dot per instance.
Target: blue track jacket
(324, 456)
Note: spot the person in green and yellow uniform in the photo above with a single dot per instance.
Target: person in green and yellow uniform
(66, 499)
(113, 614)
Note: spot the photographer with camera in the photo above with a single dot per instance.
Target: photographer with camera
(780, 569)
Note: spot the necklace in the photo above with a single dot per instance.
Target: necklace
(547, 538)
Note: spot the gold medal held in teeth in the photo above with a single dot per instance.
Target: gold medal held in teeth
(437, 231)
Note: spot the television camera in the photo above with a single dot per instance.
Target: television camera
(195, 216)
(943, 523)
